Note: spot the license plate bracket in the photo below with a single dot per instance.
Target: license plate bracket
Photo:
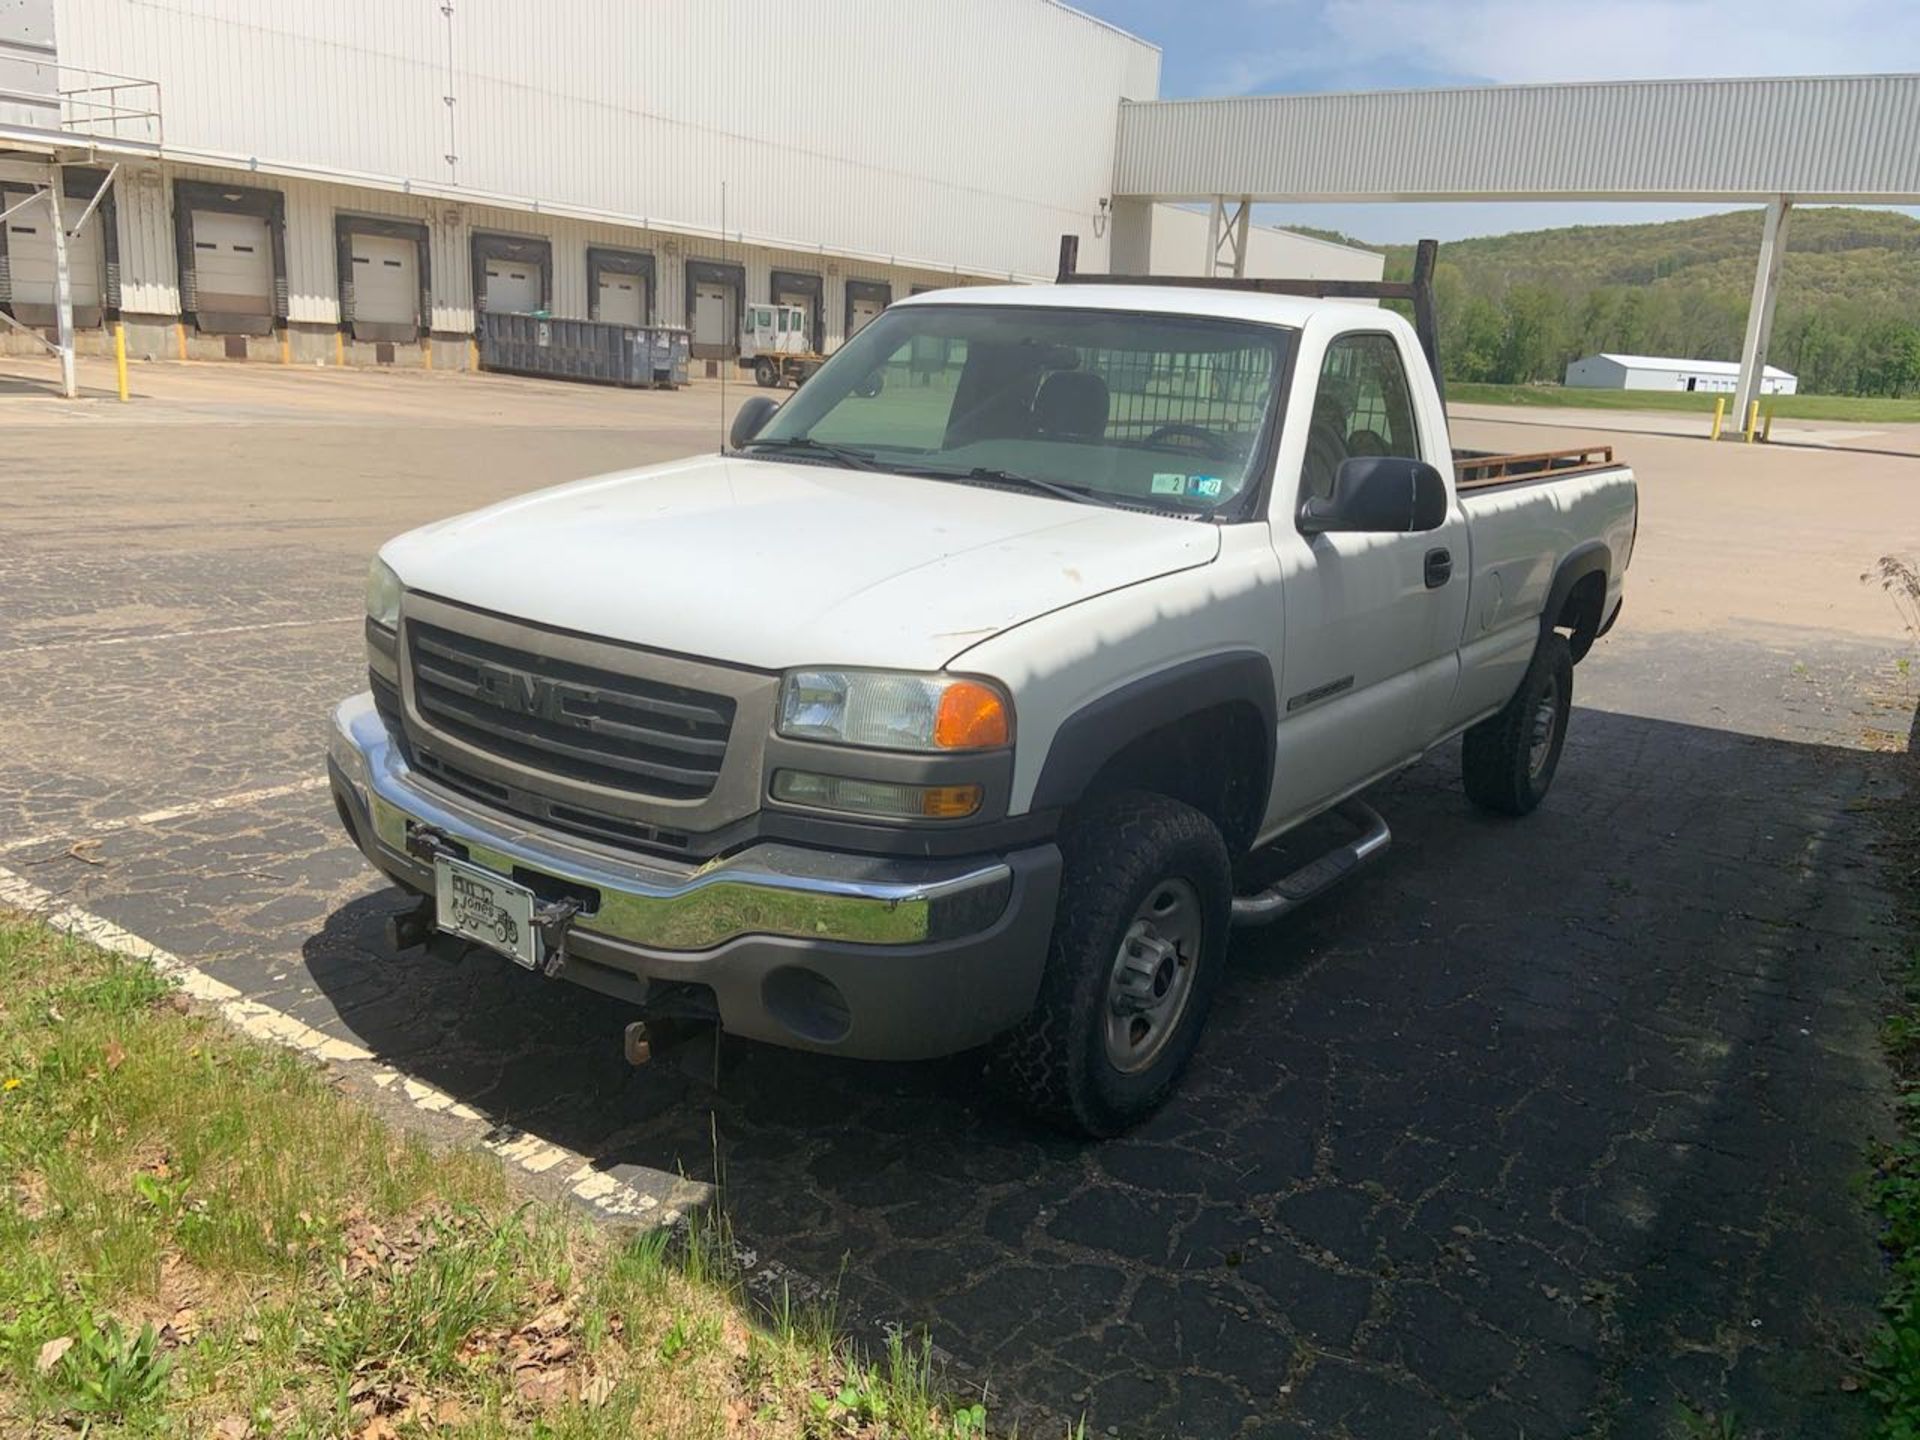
(488, 909)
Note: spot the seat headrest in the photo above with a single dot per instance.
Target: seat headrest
(1071, 403)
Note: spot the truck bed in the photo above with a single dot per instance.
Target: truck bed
(1483, 469)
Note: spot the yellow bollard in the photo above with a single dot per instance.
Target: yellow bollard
(473, 354)
(339, 349)
(286, 349)
(180, 334)
(1766, 429)
(426, 352)
(120, 359)
(1719, 415)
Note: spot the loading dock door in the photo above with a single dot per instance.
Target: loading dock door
(864, 312)
(30, 262)
(713, 322)
(512, 285)
(623, 299)
(232, 264)
(386, 282)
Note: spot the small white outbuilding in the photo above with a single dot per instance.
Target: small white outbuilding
(1608, 371)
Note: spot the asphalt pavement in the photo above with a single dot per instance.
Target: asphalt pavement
(1538, 1128)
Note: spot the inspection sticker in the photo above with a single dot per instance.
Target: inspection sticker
(1165, 483)
(1207, 487)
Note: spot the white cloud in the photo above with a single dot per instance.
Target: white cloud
(1517, 41)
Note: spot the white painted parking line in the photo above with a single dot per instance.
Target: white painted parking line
(84, 642)
(170, 812)
(612, 1198)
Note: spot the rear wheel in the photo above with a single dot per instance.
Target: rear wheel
(1137, 949)
(1509, 759)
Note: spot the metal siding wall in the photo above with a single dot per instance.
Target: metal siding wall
(827, 119)
(28, 76)
(1849, 137)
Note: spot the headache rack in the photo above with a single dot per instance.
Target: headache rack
(1417, 292)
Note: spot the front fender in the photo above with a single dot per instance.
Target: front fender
(1102, 728)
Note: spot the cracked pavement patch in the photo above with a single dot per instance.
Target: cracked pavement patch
(1536, 1129)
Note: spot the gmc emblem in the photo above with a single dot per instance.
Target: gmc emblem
(522, 693)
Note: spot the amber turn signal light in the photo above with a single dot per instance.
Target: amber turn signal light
(972, 716)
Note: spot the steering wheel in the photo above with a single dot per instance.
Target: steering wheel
(1215, 445)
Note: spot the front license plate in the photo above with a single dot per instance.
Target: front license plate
(481, 906)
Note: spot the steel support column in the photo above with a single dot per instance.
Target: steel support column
(1227, 237)
(1766, 286)
(62, 286)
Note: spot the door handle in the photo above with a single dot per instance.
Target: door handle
(1439, 568)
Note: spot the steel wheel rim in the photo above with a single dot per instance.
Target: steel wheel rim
(1152, 976)
(1546, 721)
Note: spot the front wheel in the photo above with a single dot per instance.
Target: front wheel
(764, 374)
(1508, 759)
(1136, 953)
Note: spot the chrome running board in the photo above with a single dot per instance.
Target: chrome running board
(1290, 892)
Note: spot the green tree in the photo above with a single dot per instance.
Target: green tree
(1532, 345)
(1850, 297)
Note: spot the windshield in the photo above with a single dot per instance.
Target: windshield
(1143, 409)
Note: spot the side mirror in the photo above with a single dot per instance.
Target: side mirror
(750, 419)
(873, 384)
(1379, 495)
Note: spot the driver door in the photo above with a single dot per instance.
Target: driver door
(1372, 621)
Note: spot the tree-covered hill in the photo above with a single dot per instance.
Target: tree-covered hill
(1516, 308)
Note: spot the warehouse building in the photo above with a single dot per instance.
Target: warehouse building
(1608, 371)
(357, 182)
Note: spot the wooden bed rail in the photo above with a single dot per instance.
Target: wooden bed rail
(1474, 468)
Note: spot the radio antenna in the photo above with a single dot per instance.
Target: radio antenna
(726, 361)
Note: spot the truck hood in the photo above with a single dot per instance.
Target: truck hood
(773, 565)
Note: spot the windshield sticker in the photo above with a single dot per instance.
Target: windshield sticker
(1165, 483)
(1206, 487)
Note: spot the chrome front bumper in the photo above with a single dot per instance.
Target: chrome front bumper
(768, 889)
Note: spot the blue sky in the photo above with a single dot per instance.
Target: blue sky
(1243, 47)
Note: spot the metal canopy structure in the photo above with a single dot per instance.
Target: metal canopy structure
(1777, 142)
(55, 115)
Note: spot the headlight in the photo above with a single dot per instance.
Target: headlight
(383, 594)
(885, 710)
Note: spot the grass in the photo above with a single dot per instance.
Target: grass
(199, 1235)
(1787, 407)
(1894, 1357)
(1894, 1354)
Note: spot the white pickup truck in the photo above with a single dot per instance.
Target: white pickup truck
(944, 706)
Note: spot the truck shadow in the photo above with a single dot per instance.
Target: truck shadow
(1531, 1123)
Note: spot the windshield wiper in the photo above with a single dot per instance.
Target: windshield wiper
(852, 456)
(991, 476)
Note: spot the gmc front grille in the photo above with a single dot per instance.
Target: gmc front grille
(587, 724)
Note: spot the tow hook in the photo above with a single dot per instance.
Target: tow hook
(637, 1044)
(412, 927)
(426, 843)
(553, 920)
(416, 927)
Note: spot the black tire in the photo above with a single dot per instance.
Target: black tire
(1123, 852)
(1507, 763)
(764, 374)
